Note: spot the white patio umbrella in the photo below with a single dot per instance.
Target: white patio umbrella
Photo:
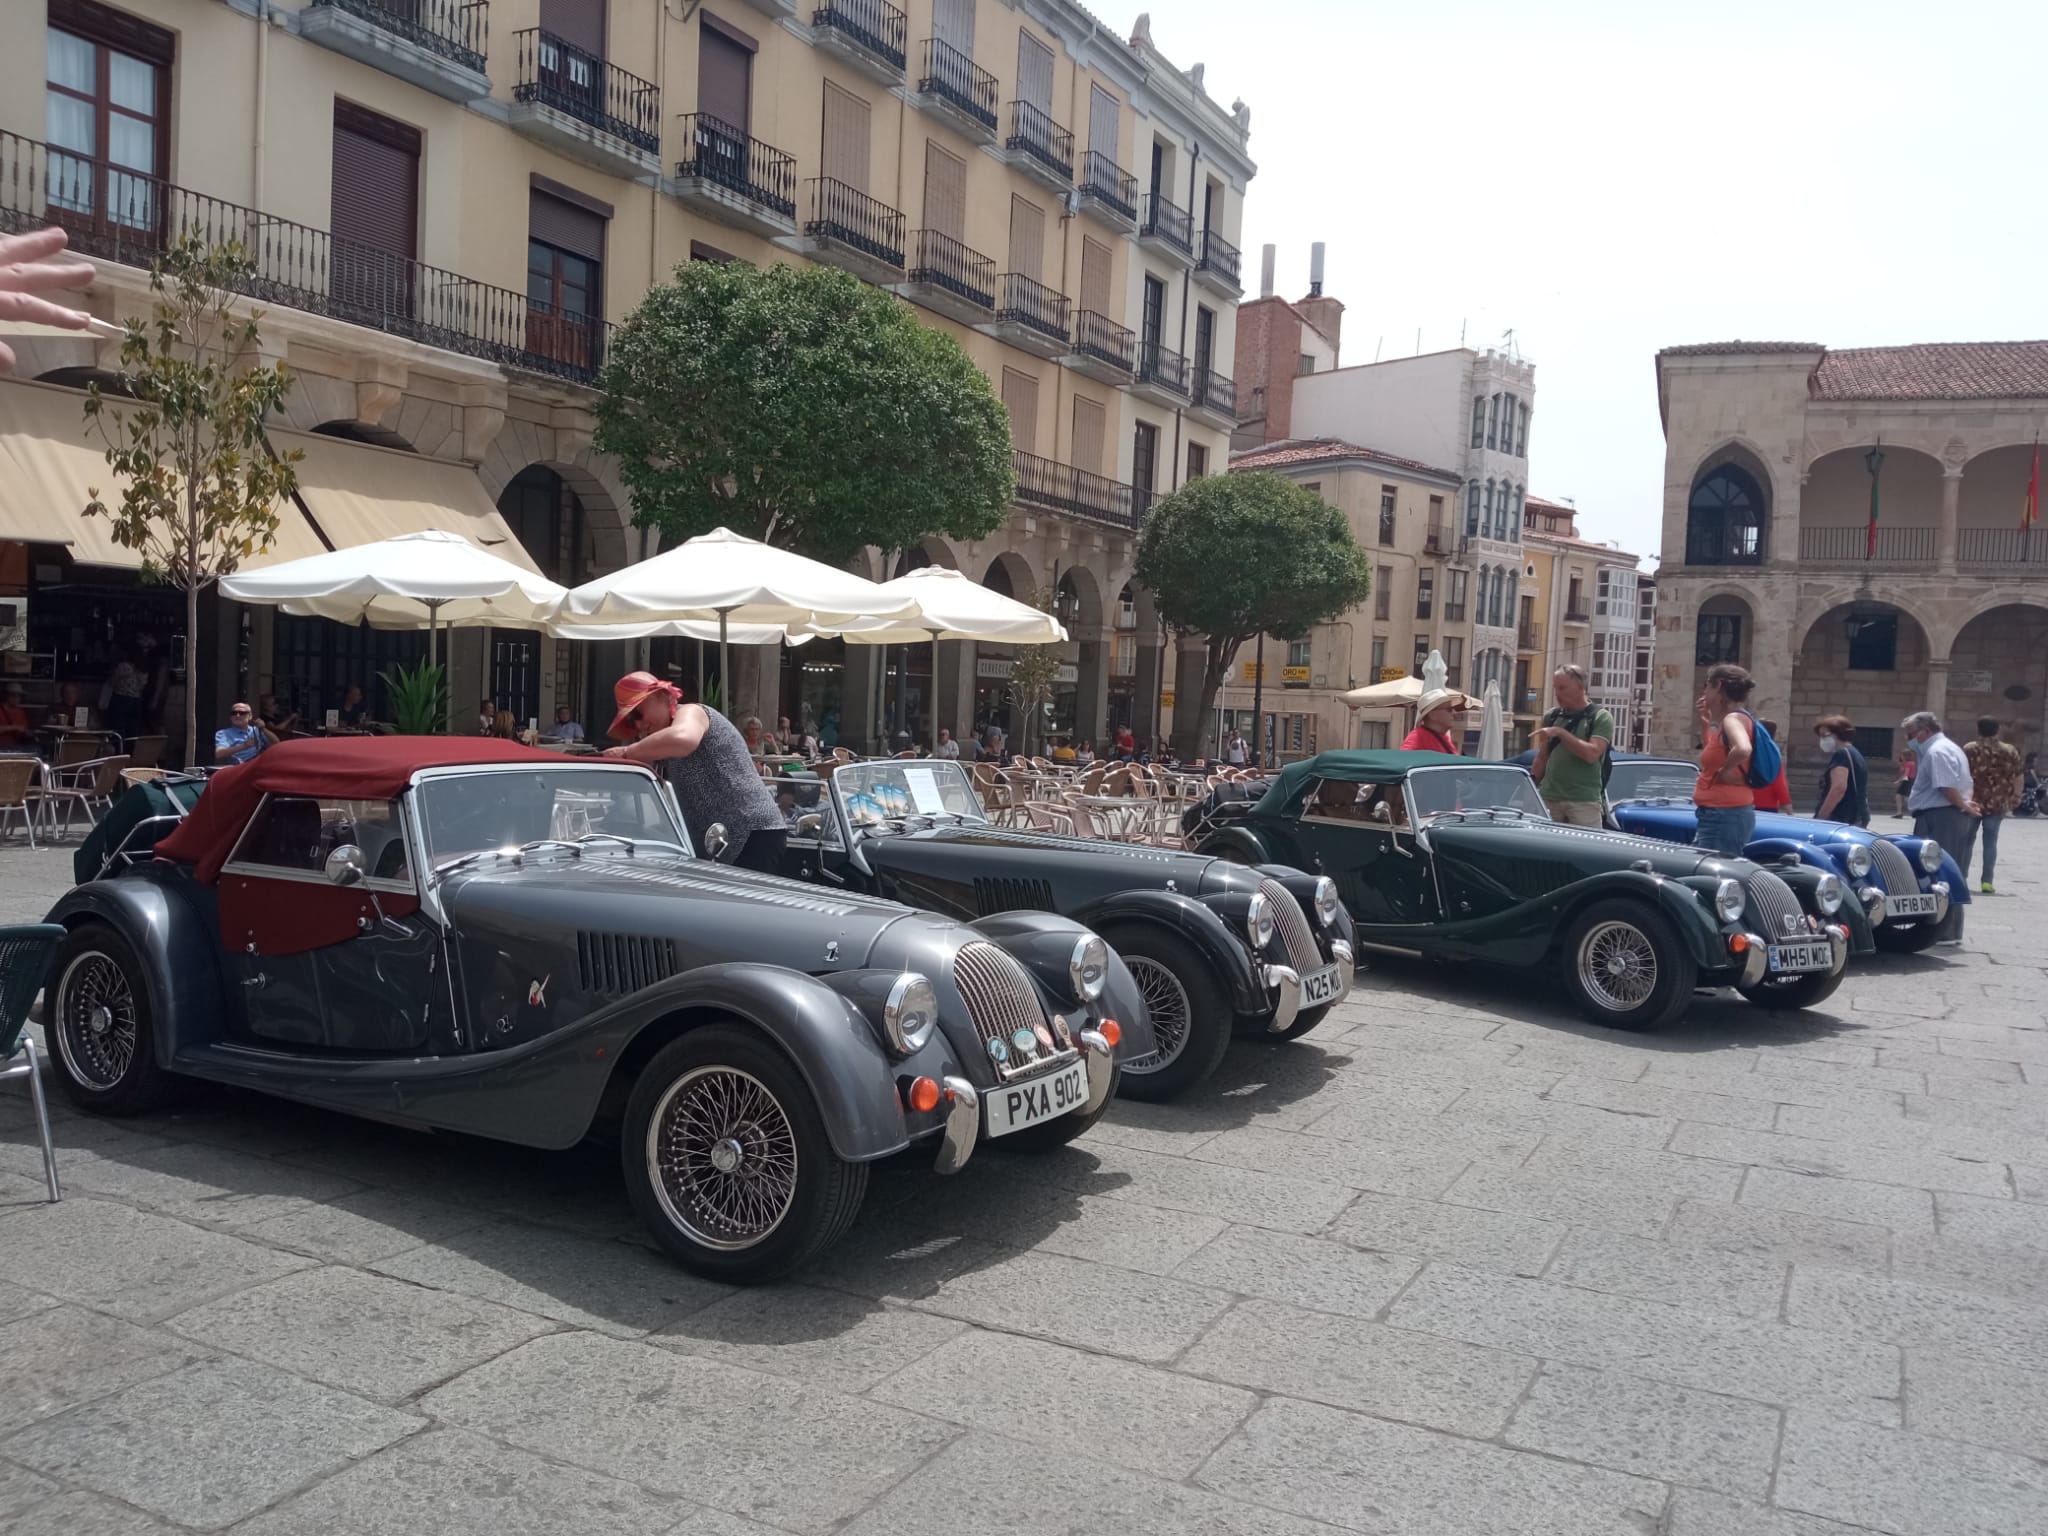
(1492, 730)
(432, 577)
(725, 578)
(1401, 693)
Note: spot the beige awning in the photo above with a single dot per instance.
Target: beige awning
(359, 494)
(50, 466)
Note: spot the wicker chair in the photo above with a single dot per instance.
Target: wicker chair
(146, 752)
(24, 956)
(19, 795)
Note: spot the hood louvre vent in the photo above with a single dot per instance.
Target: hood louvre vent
(622, 963)
(994, 894)
(1894, 869)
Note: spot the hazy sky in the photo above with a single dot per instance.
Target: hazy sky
(1612, 176)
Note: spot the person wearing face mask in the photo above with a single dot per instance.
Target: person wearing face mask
(1943, 802)
(1845, 782)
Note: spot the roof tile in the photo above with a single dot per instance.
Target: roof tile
(1952, 370)
(1319, 450)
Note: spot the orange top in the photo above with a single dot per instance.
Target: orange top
(1708, 791)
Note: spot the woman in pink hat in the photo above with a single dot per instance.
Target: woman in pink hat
(703, 757)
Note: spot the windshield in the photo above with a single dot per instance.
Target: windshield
(1651, 781)
(471, 812)
(1433, 791)
(880, 795)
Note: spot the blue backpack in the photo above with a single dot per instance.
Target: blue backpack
(1765, 760)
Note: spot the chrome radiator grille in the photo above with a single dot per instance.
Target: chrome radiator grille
(1002, 1001)
(1894, 868)
(1771, 901)
(1292, 924)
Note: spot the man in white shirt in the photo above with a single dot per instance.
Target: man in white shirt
(1234, 752)
(1943, 801)
(946, 746)
(566, 728)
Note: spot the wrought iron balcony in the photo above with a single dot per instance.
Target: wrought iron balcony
(1578, 613)
(852, 221)
(1039, 143)
(116, 215)
(1031, 304)
(873, 30)
(954, 80)
(1075, 492)
(1162, 370)
(1099, 340)
(1213, 391)
(1526, 637)
(1438, 540)
(1110, 194)
(2001, 546)
(724, 167)
(1219, 262)
(1853, 545)
(457, 30)
(1167, 224)
(944, 264)
(564, 78)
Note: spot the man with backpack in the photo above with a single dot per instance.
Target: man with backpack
(1574, 747)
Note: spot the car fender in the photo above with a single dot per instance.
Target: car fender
(1302, 885)
(1679, 902)
(1237, 841)
(1227, 952)
(180, 954)
(1767, 851)
(1044, 944)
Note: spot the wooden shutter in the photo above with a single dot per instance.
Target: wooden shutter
(1095, 276)
(945, 190)
(1105, 121)
(1089, 434)
(846, 152)
(579, 23)
(1034, 72)
(376, 195)
(1020, 394)
(565, 226)
(953, 24)
(1027, 237)
(725, 68)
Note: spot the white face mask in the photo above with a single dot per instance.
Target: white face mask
(1828, 745)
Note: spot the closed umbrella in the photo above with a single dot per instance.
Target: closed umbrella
(1492, 745)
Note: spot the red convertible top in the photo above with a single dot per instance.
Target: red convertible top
(353, 768)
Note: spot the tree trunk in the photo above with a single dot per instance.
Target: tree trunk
(1217, 658)
(191, 675)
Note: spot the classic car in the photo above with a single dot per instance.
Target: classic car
(1217, 950)
(1903, 885)
(1450, 859)
(481, 937)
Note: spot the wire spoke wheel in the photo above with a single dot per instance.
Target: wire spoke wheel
(1617, 965)
(1173, 1012)
(95, 1020)
(721, 1155)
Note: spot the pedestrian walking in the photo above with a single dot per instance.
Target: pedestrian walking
(704, 758)
(1845, 781)
(1998, 777)
(1572, 752)
(1909, 767)
(1943, 804)
(1725, 802)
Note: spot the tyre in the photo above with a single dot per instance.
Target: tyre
(1795, 991)
(1304, 1021)
(1191, 1020)
(1907, 941)
(1625, 967)
(100, 1026)
(727, 1161)
(1051, 1135)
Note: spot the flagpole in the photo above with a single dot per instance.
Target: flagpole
(2030, 509)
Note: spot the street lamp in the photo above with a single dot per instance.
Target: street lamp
(1874, 461)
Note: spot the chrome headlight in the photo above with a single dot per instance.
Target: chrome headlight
(1828, 895)
(1729, 900)
(1327, 904)
(1930, 856)
(1258, 921)
(1089, 967)
(911, 1014)
(1857, 861)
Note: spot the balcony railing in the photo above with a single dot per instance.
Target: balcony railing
(1852, 545)
(945, 263)
(2002, 546)
(961, 83)
(719, 153)
(581, 85)
(1076, 492)
(458, 30)
(1161, 366)
(1168, 222)
(1526, 637)
(1215, 391)
(119, 216)
(874, 25)
(1438, 540)
(1034, 134)
(1578, 613)
(1102, 338)
(1114, 189)
(1028, 302)
(1219, 256)
(838, 212)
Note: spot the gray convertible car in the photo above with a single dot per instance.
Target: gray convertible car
(475, 936)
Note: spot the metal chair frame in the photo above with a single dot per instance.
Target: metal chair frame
(24, 956)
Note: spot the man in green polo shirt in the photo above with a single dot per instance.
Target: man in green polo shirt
(1571, 752)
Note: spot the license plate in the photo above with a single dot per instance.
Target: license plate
(1319, 987)
(1016, 1105)
(1909, 906)
(1801, 957)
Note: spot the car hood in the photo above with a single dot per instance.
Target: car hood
(1006, 850)
(1571, 852)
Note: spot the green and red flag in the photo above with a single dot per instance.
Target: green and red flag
(2030, 512)
(1870, 543)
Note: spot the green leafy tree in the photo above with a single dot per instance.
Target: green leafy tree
(199, 486)
(1232, 557)
(803, 408)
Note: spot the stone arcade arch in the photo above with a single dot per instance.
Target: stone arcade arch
(1998, 667)
(1868, 659)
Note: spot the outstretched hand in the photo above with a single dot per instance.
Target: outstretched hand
(31, 266)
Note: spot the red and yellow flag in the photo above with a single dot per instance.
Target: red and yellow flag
(2031, 512)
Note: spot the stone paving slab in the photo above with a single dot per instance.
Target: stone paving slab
(1889, 1480)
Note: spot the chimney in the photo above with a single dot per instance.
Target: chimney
(1315, 270)
(1268, 256)
(1324, 313)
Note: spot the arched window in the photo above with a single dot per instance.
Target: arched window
(1515, 524)
(1478, 420)
(1522, 437)
(1493, 422)
(1724, 519)
(1486, 522)
(1472, 507)
(1507, 424)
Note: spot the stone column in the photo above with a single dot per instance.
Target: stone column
(1951, 503)
(1147, 717)
(1091, 689)
(1937, 690)
(857, 697)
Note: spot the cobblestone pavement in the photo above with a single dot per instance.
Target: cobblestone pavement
(1456, 1264)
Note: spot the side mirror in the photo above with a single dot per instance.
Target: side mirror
(345, 865)
(810, 824)
(716, 840)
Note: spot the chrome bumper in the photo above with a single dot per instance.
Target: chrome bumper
(1096, 1051)
(1284, 983)
(963, 1127)
(1838, 941)
(1754, 959)
(1347, 966)
(1873, 901)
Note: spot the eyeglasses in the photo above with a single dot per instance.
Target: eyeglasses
(238, 711)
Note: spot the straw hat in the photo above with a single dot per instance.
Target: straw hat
(633, 690)
(1435, 699)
